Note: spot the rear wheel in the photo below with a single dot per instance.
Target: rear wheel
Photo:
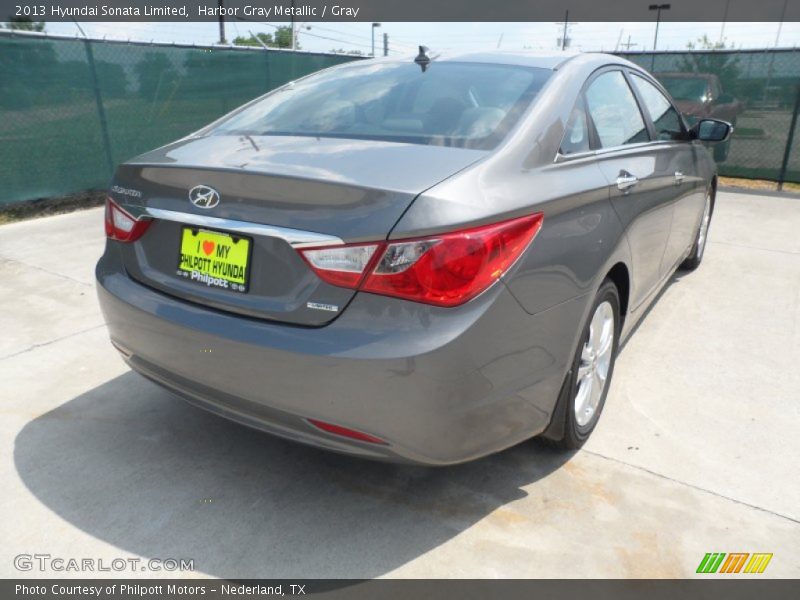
(584, 393)
(696, 255)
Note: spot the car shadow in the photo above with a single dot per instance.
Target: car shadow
(136, 467)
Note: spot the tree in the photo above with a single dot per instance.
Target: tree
(282, 38)
(265, 38)
(705, 59)
(350, 52)
(25, 24)
(704, 43)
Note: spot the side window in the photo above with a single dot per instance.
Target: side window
(664, 115)
(576, 135)
(614, 111)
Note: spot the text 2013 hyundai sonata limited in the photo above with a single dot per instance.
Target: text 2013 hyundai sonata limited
(425, 260)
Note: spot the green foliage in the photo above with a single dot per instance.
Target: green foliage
(25, 24)
(348, 52)
(723, 64)
(705, 43)
(282, 38)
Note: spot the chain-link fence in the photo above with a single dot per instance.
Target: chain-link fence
(757, 90)
(71, 109)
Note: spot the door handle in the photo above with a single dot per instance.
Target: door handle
(679, 177)
(625, 180)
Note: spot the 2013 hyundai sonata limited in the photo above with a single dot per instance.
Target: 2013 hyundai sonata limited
(425, 260)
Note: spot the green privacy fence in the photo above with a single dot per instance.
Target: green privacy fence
(70, 109)
(758, 90)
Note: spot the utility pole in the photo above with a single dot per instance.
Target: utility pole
(386, 44)
(658, 8)
(724, 20)
(221, 22)
(789, 140)
(628, 45)
(294, 33)
(374, 25)
(780, 25)
(771, 68)
(564, 41)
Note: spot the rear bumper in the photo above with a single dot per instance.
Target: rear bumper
(439, 385)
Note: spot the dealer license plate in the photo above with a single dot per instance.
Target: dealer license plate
(214, 259)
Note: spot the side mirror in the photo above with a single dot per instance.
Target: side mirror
(711, 130)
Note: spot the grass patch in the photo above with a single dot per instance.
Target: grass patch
(42, 207)
(748, 132)
(758, 184)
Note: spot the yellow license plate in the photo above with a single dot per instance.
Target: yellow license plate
(214, 259)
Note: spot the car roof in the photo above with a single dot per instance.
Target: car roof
(542, 59)
(685, 75)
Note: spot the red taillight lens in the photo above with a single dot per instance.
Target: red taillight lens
(344, 431)
(121, 225)
(445, 270)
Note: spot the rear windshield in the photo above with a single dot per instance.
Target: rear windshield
(471, 105)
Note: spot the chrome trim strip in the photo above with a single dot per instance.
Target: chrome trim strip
(296, 238)
(600, 152)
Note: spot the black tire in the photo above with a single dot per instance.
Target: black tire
(698, 251)
(575, 434)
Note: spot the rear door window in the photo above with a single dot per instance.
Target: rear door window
(665, 118)
(614, 111)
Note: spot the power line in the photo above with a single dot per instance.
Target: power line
(356, 35)
(322, 37)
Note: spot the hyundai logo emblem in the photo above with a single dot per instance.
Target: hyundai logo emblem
(203, 196)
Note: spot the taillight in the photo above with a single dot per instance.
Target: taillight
(341, 265)
(445, 270)
(121, 225)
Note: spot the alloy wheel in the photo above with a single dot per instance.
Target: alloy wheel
(594, 364)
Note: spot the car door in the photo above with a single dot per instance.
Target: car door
(641, 184)
(680, 167)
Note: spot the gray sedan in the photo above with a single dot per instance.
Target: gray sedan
(424, 260)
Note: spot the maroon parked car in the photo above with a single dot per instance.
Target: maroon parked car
(700, 96)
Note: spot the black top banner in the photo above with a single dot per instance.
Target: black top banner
(402, 11)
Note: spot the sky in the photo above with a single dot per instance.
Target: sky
(405, 37)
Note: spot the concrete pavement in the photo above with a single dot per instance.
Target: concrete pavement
(696, 451)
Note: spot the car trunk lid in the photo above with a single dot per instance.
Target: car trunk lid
(277, 193)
